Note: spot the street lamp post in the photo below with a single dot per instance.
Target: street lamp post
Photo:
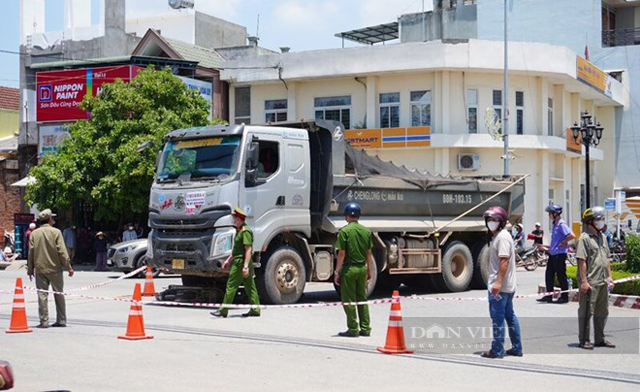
(587, 134)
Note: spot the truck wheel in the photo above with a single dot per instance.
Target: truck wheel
(457, 268)
(371, 283)
(142, 261)
(481, 266)
(283, 278)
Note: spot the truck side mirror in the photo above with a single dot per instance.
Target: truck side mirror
(251, 165)
(253, 156)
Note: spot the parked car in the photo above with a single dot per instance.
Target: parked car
(128, 256)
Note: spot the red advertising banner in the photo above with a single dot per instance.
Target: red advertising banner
(59, 93)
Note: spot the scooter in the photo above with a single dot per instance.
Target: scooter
(528, 258)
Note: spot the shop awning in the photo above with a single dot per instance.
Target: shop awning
(28, 180)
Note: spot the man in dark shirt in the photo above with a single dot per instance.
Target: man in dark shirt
(537, 234)
(100, 246)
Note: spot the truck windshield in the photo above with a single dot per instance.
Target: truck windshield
(211, 157)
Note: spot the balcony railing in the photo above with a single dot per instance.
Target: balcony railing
(621, 37)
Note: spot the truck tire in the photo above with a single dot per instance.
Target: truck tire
(371, 283)
(481, 265)
(457, 268)
(282, 279)
(140, 261)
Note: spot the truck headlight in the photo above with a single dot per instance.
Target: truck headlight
(124, 250)
(222, 243)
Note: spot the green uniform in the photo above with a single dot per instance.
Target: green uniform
(244, 237)
(355, 240)
(594, 250)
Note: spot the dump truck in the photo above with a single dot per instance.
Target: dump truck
(293, 180)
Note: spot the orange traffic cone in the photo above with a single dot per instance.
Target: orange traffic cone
(135, 326)
(18, 314)
(149, 288)
(395, 331)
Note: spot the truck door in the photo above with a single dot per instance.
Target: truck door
(265, 202)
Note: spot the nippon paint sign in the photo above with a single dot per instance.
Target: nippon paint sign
(205, 89)
(50, 137)
(59, 93)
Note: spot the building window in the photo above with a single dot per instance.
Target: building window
(243, 105)
(519, 112)
(389, 110)
(275, 110)
(472, 110)
(497, 104)
(421, 108)
(550, 116)
(334, 108)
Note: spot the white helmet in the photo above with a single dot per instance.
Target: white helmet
(538, 224)
(32, 225)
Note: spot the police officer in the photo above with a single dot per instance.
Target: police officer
(594, 275)
(353, 270)
(241, 264)
(557, 264)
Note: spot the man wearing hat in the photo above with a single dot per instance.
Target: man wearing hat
(48, 258)
(353, 270)
(241, 264)
(100, 246)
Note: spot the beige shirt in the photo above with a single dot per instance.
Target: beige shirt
(593, 248)
(47, 251)
(502, 247)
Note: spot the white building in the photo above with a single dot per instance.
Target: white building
(424, 105)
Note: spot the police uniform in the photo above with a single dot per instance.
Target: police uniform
(244, 237)
(592, 247)
(355, 240)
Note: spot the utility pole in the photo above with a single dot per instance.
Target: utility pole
(505, 99)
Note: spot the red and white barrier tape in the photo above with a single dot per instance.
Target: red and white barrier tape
(311, 305)
(126, 276)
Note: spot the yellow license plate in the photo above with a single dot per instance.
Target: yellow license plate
(177, 264)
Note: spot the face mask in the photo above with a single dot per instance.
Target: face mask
(493, 226)
(599, 224)
(130, 227)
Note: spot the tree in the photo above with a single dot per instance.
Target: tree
(101, 162)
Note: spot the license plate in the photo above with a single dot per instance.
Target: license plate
(177, 264)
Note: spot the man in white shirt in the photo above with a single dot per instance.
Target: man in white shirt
(501, 285)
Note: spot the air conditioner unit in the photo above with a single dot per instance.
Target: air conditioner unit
(468, 161)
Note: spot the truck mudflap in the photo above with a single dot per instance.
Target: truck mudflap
(184, 252)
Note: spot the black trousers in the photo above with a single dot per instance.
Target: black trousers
(557, 265)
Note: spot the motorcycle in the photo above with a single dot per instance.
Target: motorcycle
(531, 258)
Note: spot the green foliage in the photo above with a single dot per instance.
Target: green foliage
(100, 163)
(632, 247)
(617, 272)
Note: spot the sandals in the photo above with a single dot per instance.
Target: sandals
(606, 343)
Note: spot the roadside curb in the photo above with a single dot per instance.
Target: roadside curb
(621, 301)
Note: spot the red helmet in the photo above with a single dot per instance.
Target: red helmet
(496, 213)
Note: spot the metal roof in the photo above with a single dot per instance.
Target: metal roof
(372, 34)
(205, 57)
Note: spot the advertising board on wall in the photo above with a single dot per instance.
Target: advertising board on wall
(50, 138)
(205, 89)
(59, 93)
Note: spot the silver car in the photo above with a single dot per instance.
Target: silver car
(128, 256)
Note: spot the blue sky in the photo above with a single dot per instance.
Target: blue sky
(299, 24)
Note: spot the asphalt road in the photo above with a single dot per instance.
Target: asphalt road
(288, 349)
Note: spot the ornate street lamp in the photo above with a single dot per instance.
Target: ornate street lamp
(587, 134)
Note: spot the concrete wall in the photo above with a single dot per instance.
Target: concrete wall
(9, 122)
(457, 24)
(176, 25)
(573, 23)
(212, 32)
